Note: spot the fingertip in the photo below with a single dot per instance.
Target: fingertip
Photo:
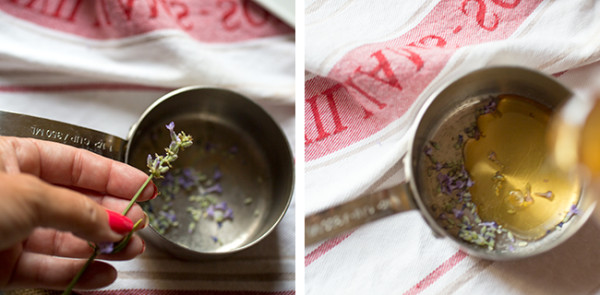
(119, 223)
(150, 192)
(99, 274)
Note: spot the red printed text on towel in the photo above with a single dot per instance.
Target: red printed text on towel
(375, 84)
(207, 20)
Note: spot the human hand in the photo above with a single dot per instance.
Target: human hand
(53, 199)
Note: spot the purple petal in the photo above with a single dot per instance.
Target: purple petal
(427, 150)
(574, 210)
(171, 126)
(149, 160)
(221, 206)
(228, 214)
(458, 213)
(217, 175)
(189, 173)
(547, 195)
(210, 211)
(215, 239)
(170, 216)
(470, 182)
(214, 189)
(106, 247)
(489, 224)
(234, 149)
(490, 107)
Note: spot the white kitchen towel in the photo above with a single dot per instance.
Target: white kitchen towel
(370, 66)
(100, 64)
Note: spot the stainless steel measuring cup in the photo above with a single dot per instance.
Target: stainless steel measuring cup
(446, 114)
(260, 167)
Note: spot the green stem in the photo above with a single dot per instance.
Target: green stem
(80, 273)
(139, 192)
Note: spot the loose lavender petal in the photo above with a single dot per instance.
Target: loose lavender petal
(169, 215)
(214, 189)
(573, 211)
(458, 213)
(428, 150)
(470, 182)
(233, 150)
(547, 195)
(215, 239)
(221, 206)
(490, 107)
(189, 173)
(217, 175)
(228, 214)
(106, 247)
(210, 211)
(491, 224)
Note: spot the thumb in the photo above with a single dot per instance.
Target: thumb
(67, 210)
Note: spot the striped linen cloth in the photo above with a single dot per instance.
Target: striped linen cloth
(100, 64)
(370, 67)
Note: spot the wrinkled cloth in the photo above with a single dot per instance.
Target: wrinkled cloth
(100, 64)
(371, 66)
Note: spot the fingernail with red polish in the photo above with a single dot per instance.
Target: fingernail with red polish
(119, 223)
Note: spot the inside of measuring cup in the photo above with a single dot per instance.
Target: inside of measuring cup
(230, 188)
(452, 113)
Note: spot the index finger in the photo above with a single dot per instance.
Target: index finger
(65, 165)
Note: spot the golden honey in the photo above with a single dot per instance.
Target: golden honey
(515, 182)
(590, 141)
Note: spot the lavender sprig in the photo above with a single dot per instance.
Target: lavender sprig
(157, 166)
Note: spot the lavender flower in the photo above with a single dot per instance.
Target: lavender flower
(489, 108)
(188, 179)
(210, 211)
(216, 188)
(169, 215)
(470, 182)
(157, 166)
(217, 175)
(491, 224)
(428, 150)
(228, 214)
(161, 164)
(221, 206)
(573, 211)
(548, 195)
(106, 247)
(458, 213)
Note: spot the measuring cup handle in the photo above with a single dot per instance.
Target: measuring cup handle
(20, 125)
(334, 221)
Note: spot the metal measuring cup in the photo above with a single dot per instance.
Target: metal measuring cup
(212, 116)
(444, 115)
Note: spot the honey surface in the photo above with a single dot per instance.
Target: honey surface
(515, 184)
(590, 141)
